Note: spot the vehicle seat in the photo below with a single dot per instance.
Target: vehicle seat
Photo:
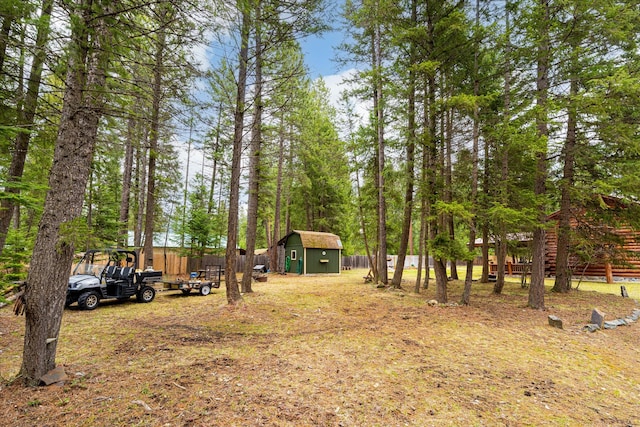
(116, 273)
(109, 271)
(125, 273)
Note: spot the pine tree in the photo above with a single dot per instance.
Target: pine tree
(52, 255)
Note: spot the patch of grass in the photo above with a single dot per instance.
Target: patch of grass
(63, 401)
(633, 288)
(78, 382)
(332, 350)
(34, 403)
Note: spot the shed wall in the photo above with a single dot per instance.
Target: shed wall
(294, 243)
(315, 260)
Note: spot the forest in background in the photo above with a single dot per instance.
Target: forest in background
(482, 118)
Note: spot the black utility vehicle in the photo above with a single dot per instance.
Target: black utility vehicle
(110, 274)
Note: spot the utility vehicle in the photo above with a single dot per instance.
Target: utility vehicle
(110, 274)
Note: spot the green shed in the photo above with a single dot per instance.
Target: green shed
(311, 252)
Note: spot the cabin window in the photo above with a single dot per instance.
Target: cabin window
(294, 255)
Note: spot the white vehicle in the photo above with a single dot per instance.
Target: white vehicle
(110, 274)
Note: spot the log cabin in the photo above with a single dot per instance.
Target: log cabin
(603, 244)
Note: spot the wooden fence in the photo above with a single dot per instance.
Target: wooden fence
(196, 264)
(355, 261)
(173, 264)
(168, 261)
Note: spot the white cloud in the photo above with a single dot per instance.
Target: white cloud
(337, 84)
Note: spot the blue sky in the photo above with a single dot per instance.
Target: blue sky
(319, 53)
(319, 50)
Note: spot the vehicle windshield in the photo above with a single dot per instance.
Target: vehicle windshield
(93, 269)
(91, 263)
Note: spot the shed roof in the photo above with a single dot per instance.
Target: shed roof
(315, 239)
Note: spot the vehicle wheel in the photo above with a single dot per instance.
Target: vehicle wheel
(88, 300)
(186, 291)
(205, 290)
(146, 294)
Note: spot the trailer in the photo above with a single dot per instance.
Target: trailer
(202, 281)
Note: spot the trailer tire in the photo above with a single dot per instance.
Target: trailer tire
(205, 290)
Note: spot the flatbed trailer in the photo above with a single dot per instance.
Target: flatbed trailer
(202, 281)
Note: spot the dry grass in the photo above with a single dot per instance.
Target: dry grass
(332, 351)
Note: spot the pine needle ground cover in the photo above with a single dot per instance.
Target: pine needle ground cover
(333, 351)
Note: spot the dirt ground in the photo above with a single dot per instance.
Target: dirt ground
(333, 351)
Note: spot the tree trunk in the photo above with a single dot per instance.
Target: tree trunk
(424, 202)
(267, 232)
(127, 172)
(287, 204)
(273, 250)
(563, 272)
(216, 145)
(485, 254)
(185, 191)
(5, 32)
(53, 251)
(154, 136)
(424, 233)
(407, 214)
(501, 238)
(501, 257)
(363, 222)
(448, 185)
(432, 171)
(468, 280)
(254, 160)
(378, 107)
(89, 203)
(141, 181)
(25, 121)
(430, 125)
(536, 291)
(410, 162)
(440, 268)
(231, 280)
(422, 260)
